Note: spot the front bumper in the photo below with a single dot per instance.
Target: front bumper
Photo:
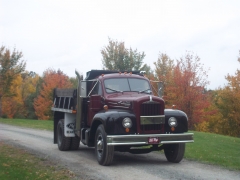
(143, 139)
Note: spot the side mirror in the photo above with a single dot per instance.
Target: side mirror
(160, 89)
(83, 89)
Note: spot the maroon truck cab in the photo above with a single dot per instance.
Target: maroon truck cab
(117, 111)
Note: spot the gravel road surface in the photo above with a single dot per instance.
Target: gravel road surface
(126, 166)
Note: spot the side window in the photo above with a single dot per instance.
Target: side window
(97, 89)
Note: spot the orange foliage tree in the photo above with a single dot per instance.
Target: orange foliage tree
(51, 79)
(184, 85)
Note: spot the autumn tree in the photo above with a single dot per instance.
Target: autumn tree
(74, 81)
(51, 79)
(117, 57)
(212, 115)
(227, 100)
(164, 67)
(11, 66)
(30, 88)
(13, 105)
(185, 85)
(163, 70)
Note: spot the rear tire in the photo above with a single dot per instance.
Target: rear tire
(63, 142)
(104, 153)
(174, 152)
(75, 142)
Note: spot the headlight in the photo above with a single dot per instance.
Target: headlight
(172, 122)
(127, 122)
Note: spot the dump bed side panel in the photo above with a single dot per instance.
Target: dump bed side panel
(65, 98)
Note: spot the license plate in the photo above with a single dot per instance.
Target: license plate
(153, 140)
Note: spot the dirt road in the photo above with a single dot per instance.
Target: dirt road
(125, 166)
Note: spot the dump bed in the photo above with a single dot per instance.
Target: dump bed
(64, 100)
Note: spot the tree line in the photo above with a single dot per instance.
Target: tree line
(25, 94)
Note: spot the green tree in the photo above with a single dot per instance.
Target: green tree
(117, 57)
(164, 68)
(29, 90)
(163, 71)
(74, 81)
(11, 65)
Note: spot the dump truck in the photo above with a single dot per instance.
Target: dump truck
(118, 111)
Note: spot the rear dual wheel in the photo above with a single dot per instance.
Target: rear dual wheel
(66, 143)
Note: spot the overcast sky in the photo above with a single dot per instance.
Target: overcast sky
(69, 35)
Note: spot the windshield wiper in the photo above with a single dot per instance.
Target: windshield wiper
(145, 91)
(114, 90)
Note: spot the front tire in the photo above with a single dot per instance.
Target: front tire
(103, 152)
(174, 152)
(63, 142)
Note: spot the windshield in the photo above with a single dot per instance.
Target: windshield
(126, 84)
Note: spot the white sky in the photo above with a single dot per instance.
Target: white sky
(68, 35)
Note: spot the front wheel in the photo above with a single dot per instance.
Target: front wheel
(174, 152)
(104, 153)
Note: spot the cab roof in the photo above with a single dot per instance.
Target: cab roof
(95, 73)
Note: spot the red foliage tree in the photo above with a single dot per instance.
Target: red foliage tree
(186, 89)
(184, 85)
(51, 79)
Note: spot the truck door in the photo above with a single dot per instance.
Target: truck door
(94, 104)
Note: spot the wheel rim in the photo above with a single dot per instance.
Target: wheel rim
(100, 145)
(60, 135)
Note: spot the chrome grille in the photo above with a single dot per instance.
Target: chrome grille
(150, 109)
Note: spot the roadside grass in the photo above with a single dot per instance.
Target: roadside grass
(215, 149)
(207, 147)
(35, 124)
(19, 164)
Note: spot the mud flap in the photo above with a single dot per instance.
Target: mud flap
(69, 123)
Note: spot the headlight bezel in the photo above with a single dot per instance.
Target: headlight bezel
(172, 122)
(127, 122)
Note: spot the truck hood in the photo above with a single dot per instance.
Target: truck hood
(127, 96)
(126, 99)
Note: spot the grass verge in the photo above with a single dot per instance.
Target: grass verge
(36, 124)
(215, 149)
(19, 164)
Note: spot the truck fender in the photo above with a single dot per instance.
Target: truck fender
(112, 121)
(69, 123)
(182, 120)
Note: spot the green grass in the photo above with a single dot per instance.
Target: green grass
(215, 149)
(207, 147)
(19, 164)
(36, 124)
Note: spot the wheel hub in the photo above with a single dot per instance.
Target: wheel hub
(100, 145)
